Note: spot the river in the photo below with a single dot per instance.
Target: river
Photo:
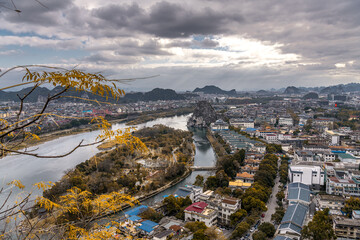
(30, 170)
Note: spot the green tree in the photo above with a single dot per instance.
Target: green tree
(240, 230)
(152, 214)
(280, 196)
(199, 180)
(268, 229)
(200, 235)
(194, 226)
(253, 204)
(320, 228)
(259, 235)
(176, 206)
(236, 217)
(273, 148)
(351, 204)
(239, 156)
(221, 179)
(278, 215)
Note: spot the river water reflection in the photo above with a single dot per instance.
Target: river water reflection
(30, 170)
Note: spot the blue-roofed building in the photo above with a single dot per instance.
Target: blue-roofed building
(184, 192)
(136, 211)
(134, 218)
(298, 185)
(148, 226)
(282, 238)
(191, 191)
(298, 195)
(293, 220)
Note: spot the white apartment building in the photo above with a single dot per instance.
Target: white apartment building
(242, 123)
(271, 137)
(228, 207)
(286, 121)
(199, 211)
(313, 176)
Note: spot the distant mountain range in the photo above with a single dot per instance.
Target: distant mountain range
(168, 94)
(211, 89)
(292, 90)
(336, 89)
(41, 94)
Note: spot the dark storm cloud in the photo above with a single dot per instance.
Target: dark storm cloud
(133, 48)
(167, 20)
(46, 15)
(321, 32)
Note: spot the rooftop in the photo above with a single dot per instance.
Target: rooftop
(198, 207)
(299, 194)
(244, 175)
(347, 222)
(239, 183)
(231, 201)
(136, 210)
(295, 214)
(325, 197)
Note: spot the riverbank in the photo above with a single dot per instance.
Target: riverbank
(129, 120)
(216, 145)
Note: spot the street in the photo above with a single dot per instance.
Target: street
(271, 205)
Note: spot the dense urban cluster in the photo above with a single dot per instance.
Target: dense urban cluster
(287, 168)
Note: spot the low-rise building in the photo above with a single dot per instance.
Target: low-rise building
(219, 125)
(193, 192)
(228, 206)
(355, 214)
(239, 184)
(298, 193)
(199, 211)
(332, 202)
(346, 228)
(288, 121)
(307, 174)
(242, 123)
(293, 221)
(245, 177)
(344, 187)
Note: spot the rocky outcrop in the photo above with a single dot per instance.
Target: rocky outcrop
(203, 115)
(211, 89)
(292, 90)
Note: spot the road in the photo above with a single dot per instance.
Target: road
(271, 205)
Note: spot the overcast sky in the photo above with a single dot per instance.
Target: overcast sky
(241, 44)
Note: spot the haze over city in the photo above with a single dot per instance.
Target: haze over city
(246, 45)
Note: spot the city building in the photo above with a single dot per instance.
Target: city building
(332, 202)
(228, 206)
(245, 177)
(199, 211)
(346, 228)
(293, 221)
(219, 125)
(298, 193)
(239, 184)
(307, 174)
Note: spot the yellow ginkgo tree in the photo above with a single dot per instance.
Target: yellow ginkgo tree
(74, 212)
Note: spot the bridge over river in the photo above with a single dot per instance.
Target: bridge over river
(203, 168)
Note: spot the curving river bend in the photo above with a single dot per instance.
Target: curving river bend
(30, 170)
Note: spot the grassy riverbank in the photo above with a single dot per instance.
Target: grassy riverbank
(133, 119)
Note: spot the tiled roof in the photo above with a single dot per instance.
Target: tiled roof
(136, 210)
(231, 201)
(244, 175)
(197, 207)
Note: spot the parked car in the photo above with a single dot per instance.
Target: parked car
(263, 215)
